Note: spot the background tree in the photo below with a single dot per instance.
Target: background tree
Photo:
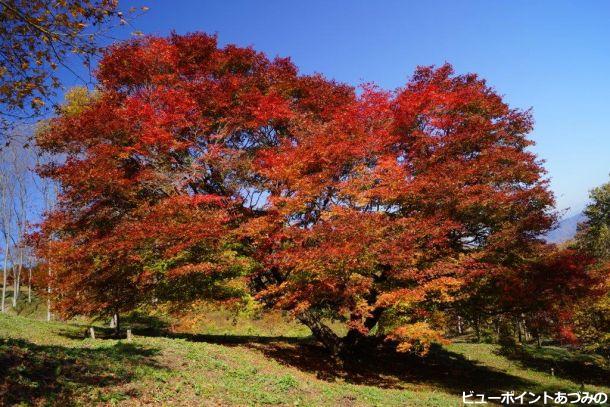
(594, 233)
(18, 206)
(592, 317)
(6, 199)
(21, 167)
(39, 39)
(48, 192)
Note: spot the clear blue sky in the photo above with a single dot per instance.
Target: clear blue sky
(553, 56)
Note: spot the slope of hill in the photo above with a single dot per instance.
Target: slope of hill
(566, 229)
(51, 364)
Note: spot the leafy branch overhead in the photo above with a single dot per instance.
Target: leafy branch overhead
(38, 39)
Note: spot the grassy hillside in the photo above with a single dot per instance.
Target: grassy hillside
(51, 363)
(35, 309)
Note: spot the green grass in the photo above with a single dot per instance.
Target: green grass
(52, 364)
(35, 309)
(46, 362)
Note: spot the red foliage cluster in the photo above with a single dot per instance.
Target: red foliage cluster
(196, 166)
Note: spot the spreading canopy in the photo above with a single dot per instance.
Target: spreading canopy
(198, 171)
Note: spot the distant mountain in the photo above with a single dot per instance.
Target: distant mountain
(566, 229)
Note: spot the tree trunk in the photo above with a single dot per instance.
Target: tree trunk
(526, 333)
(536, 334)
(4, 277)
(16, 288)
(30, 285)
(49, 315)
(321, 332)
(371, 321)
(16, 285)
(117, 325)
(114, 323)
(355, 339)
(477, 328)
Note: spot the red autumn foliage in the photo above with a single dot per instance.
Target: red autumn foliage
(199, 166)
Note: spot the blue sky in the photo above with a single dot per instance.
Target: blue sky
(552, 56)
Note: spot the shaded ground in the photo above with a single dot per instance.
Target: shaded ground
(580, 368)
(31, 372)
(51, 364)
(451, 371)
(441, 368)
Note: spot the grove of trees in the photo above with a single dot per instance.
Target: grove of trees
(22, 197)
(198, 171)
(41, 41)
(592, 316)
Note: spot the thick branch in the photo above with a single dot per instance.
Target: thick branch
(321, 332)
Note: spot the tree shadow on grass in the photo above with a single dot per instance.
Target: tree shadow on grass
(146, 325)
(57, 375)
(563, 364)
(378, 367)
(384, 368)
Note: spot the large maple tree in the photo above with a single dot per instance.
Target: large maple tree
(198, 170)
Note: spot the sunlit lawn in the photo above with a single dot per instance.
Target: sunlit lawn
(240, 364)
